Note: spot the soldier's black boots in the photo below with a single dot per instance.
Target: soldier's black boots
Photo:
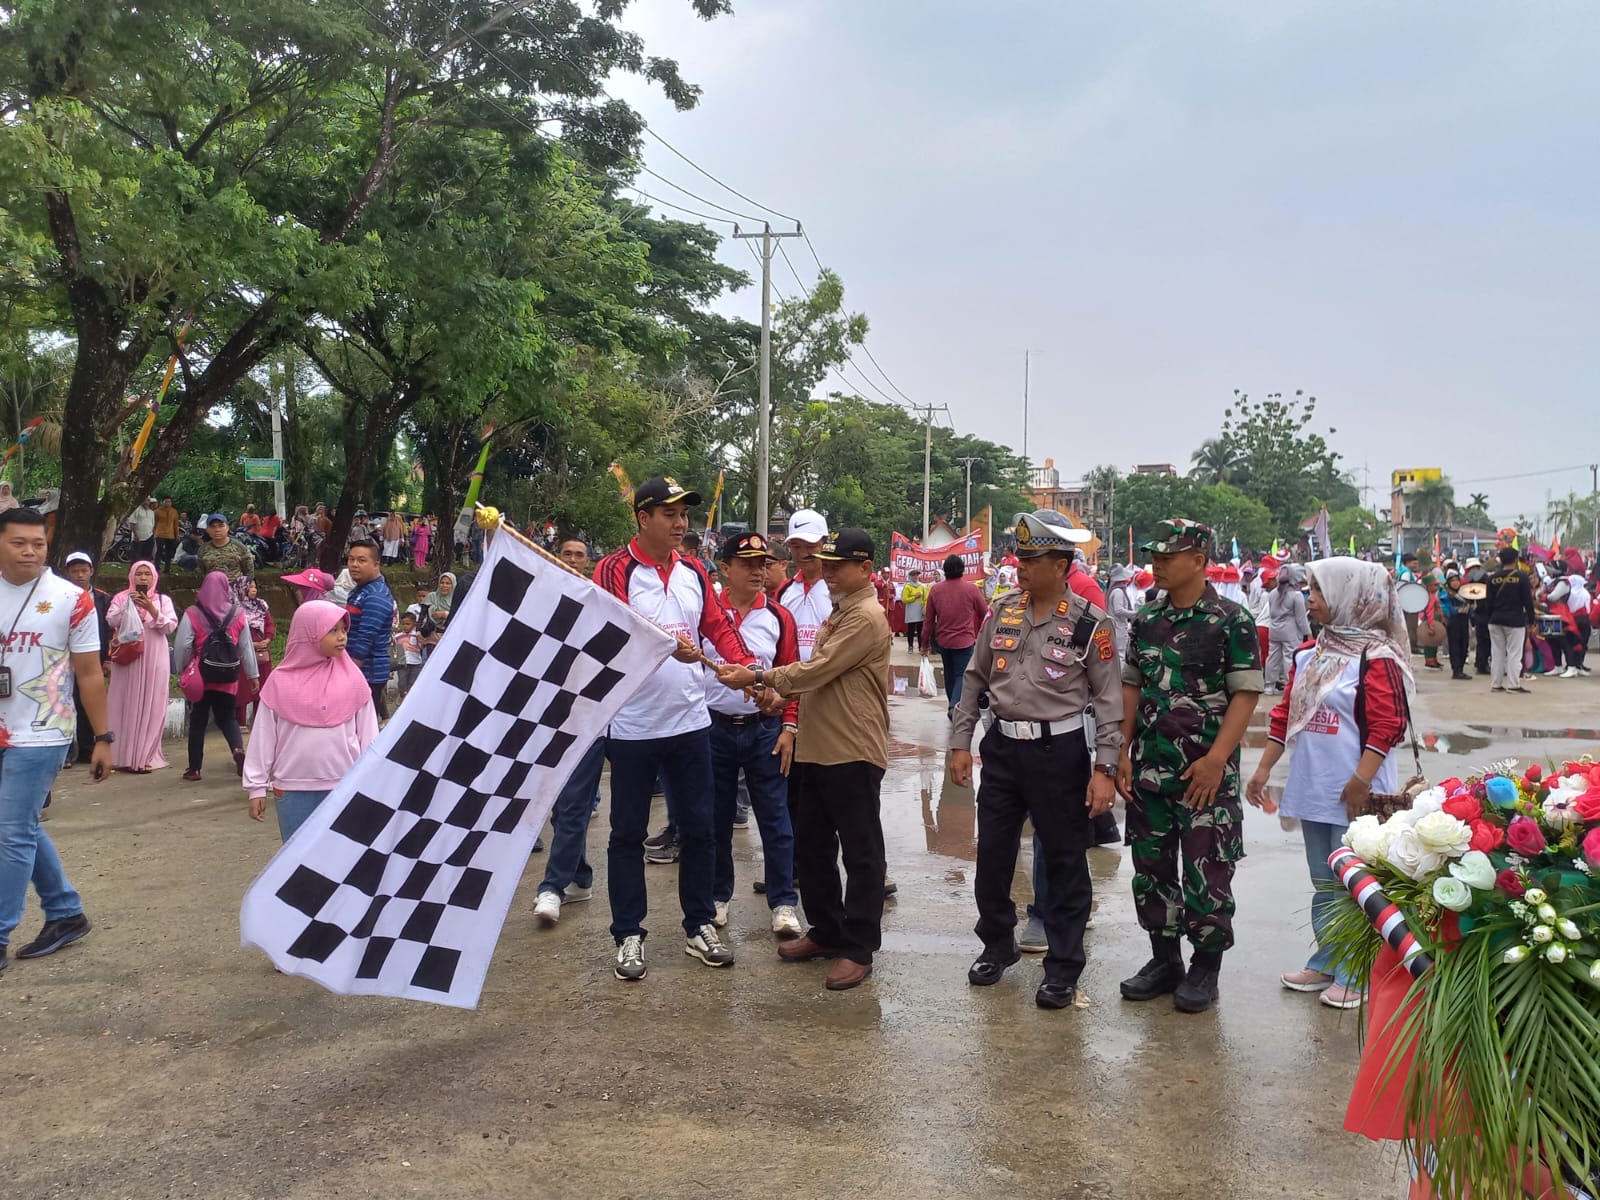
(1161, 975)
(990, 966)
(1199, 986)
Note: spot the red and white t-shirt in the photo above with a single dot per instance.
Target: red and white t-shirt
(677, 597)
(768, 633)
(47, 623)
(810, 607)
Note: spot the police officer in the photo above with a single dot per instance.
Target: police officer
(1043, 656)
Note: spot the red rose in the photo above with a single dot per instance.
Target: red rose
(1534, 773)
(1509, 883)
(1486, 836)
(1464, 807)
(1525, 836)
(1588, 804)
(1451, 786)
(1591, 847)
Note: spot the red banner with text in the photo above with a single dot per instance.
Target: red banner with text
(905, 554)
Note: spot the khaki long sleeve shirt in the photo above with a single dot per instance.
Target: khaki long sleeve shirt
(843, 687)
(1033, 671)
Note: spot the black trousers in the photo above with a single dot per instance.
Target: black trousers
(1578, 646)
(218, 706)
(834, 809)
(380, 699)
(1458, 631)
(1481, 656)
(85, 732)
(165, 549)
(1046, 780)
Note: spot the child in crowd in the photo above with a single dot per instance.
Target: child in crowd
(314, 719)
(409, 644)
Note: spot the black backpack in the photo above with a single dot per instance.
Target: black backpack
(219, 653)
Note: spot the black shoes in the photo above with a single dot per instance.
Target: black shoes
(55, 935)
(1055, 995)
(1158, 977)
(988, 969)
(1199, 987)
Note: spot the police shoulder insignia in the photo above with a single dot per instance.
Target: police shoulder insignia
(1102, 641)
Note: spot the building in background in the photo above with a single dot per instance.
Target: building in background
(1155, 469)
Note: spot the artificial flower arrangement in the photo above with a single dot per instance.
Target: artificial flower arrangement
(1497, 1043)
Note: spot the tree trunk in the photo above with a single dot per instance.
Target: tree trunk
(296, 449)
(364, 442)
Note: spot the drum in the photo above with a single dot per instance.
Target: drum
(1413, 597)
(1474, 591)
(1550, 626)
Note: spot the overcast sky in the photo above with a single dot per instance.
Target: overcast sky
(1390, 206)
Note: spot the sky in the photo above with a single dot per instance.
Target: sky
(1389, 206)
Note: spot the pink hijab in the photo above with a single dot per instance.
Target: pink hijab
(307, 687)
(215, 598)
(126, 594)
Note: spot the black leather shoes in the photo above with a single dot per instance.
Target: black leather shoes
(988, 970)
(1055, 995)
(1158, 977)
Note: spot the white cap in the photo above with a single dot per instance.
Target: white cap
(78, 556)
(807, 525)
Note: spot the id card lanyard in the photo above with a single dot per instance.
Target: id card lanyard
(5, 669)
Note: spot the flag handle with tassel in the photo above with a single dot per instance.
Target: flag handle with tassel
(491, 521)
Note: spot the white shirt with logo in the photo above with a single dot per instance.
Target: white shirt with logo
(1327, 751)
(810, 607)
(760, 631)
(42, 625)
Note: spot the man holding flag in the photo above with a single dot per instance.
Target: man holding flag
(665, 729)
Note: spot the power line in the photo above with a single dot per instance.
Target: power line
(1522, 475)
(680, 208)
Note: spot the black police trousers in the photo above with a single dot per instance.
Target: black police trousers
(1046, 780)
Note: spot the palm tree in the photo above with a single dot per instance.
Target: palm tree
(1433, 504)
(1216, 461)
(1480, 501)
(1572, 514)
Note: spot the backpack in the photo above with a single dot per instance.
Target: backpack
(219, 653)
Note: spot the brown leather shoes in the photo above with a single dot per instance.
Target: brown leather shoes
(844, 974)
(803, 949)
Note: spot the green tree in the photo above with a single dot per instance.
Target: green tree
(1232, 514)
(1216, 461)
(1282, 462)
(194, 163)
(1354, 522)
(1432, 505)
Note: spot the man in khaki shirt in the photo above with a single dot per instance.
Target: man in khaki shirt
(841, 752)
(1042, 656)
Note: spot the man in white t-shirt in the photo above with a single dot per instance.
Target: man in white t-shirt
(49, 652)
(142, 528)
(806, 595)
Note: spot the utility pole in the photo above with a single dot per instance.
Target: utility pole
(764, 420)
(277, 453)
(927, 461)
(1594, 502)
(1027, 365)
(967, 462)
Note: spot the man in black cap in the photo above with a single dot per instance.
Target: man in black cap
(1044, 655)
(841, 753)
(665, 729)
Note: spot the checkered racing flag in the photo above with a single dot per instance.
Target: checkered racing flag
(398, 884)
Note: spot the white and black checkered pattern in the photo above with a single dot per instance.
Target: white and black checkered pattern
(398, 884)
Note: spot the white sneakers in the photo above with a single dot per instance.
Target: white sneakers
(547, 909)
(1569, 673)
(786, 922)
(722, 913)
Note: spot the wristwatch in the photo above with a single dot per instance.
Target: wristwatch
(1107, 769)
(108, 737)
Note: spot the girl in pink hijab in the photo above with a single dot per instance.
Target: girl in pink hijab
(314, 719)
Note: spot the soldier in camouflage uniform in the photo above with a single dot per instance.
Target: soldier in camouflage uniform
(1190, 684)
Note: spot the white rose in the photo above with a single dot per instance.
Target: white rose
(1410, 857)
(1445, 835)
(1594, 971)
(1515, 955)
(1365, 837)
(1556, 953)
(1576, 784)
(1475, 870)
(1542, 934)
(1430, 801)
(1568, 929)
(1403, 819)
(1452, 893)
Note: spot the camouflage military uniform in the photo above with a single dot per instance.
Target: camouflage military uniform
(1187, 664)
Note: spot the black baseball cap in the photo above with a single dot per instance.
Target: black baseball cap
(662, 489)
(751, 545)
(848, 545)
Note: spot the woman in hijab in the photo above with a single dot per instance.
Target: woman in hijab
(1124, 604)
(392, 536)
(1289, 627)
(441, 598)
(214, 608)
(138, 696)
(421, 541)
(258, 618)
(314, 720)
(1345, 709)
(7, 500)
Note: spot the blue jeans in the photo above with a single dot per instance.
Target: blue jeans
(749, 748)
(569, 823)
(684, 763)
(293, 809)
(26, 851)
(1322, 839)
(955, 669)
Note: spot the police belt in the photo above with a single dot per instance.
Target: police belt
(1029, 731)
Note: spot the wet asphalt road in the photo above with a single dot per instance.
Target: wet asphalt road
(156, 1058)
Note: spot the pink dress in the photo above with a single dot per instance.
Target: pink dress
(138, 697)
(421, 536)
